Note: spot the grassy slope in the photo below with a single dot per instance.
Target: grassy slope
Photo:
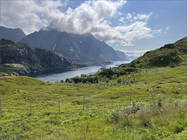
(101, 118)
(148, 104)
(169, 55)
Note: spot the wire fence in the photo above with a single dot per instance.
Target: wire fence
(58, 106)
(32, 107)
(66, 108)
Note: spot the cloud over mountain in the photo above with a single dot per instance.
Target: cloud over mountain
(93, 17)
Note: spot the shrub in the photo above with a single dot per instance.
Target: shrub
(133, 108)
(83, 79)
(145, 122)
(107, 73)
(159, 102)
(119, 81)
(68, 81)
(177, 128)
(126, 122)
(115, 116)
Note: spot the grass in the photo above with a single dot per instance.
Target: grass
(170, 55)
(152, 106)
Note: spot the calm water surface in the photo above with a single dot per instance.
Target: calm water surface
(78, 72)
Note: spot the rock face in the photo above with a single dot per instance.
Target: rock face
(81, 49)
(21, 59)
(11, 34)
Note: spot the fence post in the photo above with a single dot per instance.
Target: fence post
(130, 98)
(83, 102)
(59, 106)
(0, 106)
(30, 107)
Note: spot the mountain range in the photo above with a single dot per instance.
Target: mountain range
(80, 49)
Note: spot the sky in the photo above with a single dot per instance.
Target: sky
(132, 26)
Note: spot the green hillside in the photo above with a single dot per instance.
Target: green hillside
(147, 103)
(21, 59)
(170, 55)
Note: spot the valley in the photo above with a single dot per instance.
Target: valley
(145, 104)
(93, 70)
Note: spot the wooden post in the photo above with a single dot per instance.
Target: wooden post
(30, 107)
(131, 98)
(83, 102)
(59, 106)
(0, 106)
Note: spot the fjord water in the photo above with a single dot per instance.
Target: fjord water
(77, 72)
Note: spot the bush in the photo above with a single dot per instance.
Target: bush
(107, 73)
(119, 81)
(177, 128)
(83, 79)
(159, 102)
(115, 116)
(145, 123)
(133, 108)
(126, 122)
(68, 81)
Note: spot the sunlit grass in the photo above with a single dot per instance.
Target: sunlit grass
(87, 110)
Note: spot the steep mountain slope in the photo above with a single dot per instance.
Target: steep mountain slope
(18, 58)
(84, 49)
(11, 34)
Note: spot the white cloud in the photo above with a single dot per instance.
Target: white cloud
(90, 17)
(142, 16)
(132, 17)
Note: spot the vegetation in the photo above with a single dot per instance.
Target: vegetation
(153, 107)
(83, 79)
(168, 55)
(141, 104)
(20, 59)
